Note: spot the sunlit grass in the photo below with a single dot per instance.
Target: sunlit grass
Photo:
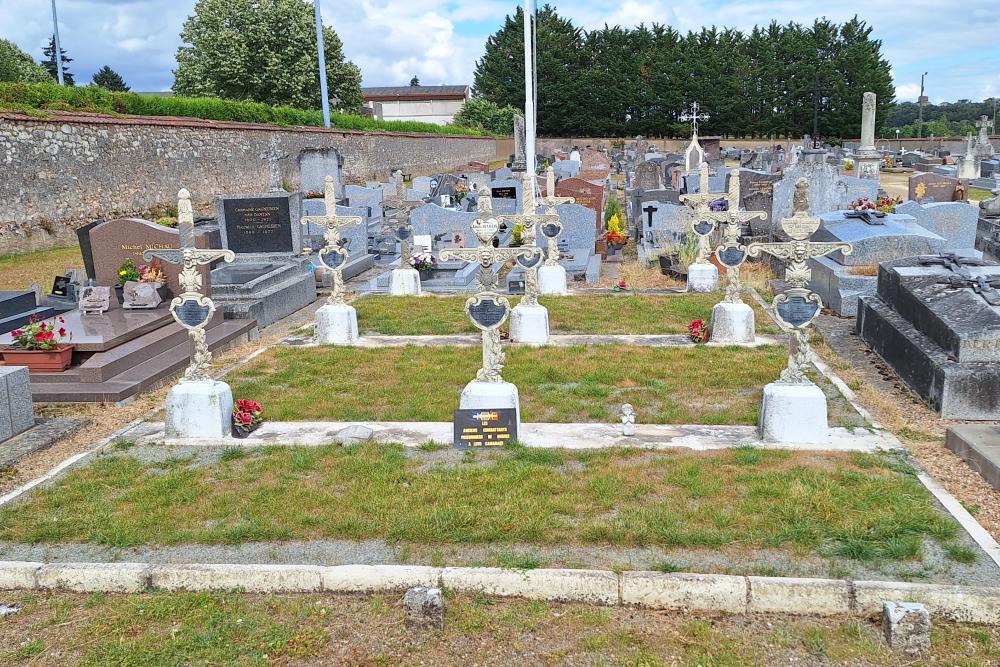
(21, 271)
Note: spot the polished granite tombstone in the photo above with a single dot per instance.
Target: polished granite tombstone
(936, 321)
(840, 279)
(18, 308)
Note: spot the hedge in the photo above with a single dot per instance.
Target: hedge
(36, 98)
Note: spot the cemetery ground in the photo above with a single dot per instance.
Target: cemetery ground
(231, 629)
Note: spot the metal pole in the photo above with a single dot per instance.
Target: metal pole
(57, 56)
(529, 94)
(920, 108)
(324, 95)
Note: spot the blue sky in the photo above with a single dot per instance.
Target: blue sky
(439, 41)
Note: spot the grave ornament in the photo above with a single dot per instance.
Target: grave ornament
(191, 309)
(797, 306)
(333, 255)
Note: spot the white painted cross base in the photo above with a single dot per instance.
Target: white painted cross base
(337, 325)
(732, 323)
(404, 282)
(491, 395)
(793, 413)
(529, 324)
(703, 278)
(552, 280)
(201, 409)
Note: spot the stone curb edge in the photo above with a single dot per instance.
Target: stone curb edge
(711, 593)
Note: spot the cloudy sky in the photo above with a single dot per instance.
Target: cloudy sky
(440, 40)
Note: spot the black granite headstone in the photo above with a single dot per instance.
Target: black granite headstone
(482, 427)
(258, 225)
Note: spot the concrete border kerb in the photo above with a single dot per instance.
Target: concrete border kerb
(707, 593)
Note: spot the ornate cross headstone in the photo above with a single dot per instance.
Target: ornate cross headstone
(191, 308)
(401, 214)
(529, 221)
(693, 116)
(798, 306)
(985, 125)
(550, 200)
(732, 253)
(703, 219)
(487, 309)
(333, 255)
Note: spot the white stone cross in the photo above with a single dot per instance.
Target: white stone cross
(333, 255)
(694, 117)
(550, 200)
(731, 253)
(703, 219)
(191, 309)
(530, 221)
(798, 306)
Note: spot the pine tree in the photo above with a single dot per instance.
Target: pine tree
(414, 82)
(50, 62)
(111, 80)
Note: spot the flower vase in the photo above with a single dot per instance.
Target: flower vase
(47, 361)
(240, 431)
(120, 294)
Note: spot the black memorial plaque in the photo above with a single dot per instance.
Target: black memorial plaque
(797, 311)
(485, 427)
(258, 224)
(732, 256)
(192, 314)
(332, 259)
(704, 227)
(60, 286)
(531, 261)
(550, 230)
(507, 192)
(515, 287)
(488, 313)
(403, 233)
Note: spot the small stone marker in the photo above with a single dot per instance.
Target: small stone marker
(424, 608)
(627, 417)
(907, 627)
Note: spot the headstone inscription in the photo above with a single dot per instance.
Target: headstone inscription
(930, 187)
(259, 224)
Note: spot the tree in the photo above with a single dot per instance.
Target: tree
(111, 80)
(414, 81)
(16, 66)
(487, 116)
(50, 62)
(232, 50)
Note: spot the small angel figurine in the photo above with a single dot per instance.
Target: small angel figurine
(627, 416)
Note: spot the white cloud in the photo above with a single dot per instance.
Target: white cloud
(907, 92)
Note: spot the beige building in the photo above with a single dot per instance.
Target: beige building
(428, 104)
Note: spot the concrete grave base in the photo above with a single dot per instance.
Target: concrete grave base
(404, 282)
(529, 324)
(337, 325)
(793, 413)
(703, 278)
(491, 395)
(552, 280)
(732, 323)
(199, 409)
(16, 411)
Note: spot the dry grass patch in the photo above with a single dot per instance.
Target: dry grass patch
(697, 385)
(860, 507)
(241, 629)
(867, 270)
(21, 271)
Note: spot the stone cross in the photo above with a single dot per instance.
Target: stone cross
(401, 214)
(529, 221)
(333, 255)
(693, 116)
(732, 253)
(961, 277)
(550, 200)
(798, 306)
(191, 309)
(985, 125)
(487, 309)
(703, 219)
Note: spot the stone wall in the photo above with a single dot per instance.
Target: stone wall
(69, 169)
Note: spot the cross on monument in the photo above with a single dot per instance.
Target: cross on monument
(649, 211)
(961, 277)
(985, 125)
(731, 253)
(529, 220)
(191, 309)
(333, 255)
(798, 306)
(703, 219)
(817, 90)
(401, 214)
(550, 200)
(693, 116)
(487, 309)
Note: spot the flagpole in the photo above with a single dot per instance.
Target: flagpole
(321, 49)
(57, 56)
(529, 92)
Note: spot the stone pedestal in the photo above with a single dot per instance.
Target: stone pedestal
(869, 166)
(404, 282)
(491, 395)
(337, 325)
(529, 324)
(732, 323)
(200, 409)
(16, 415)
(906, 627)
(552, 280)
(703, 278)
(793, 413)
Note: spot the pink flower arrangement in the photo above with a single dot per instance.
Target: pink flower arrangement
(40, 335)
(247, 414)
(697, 331)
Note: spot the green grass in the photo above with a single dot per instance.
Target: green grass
(38, 98)
(239, 629)
(597, 314)
(21, 271)
(823, 504)
(700, 385)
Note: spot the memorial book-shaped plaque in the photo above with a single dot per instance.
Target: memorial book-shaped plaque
(488, 313)
(485, 427)
(192, 314)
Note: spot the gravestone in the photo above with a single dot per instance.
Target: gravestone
(594, 165)
(114, 241)
(446, 227)
(16, 415)
(648, 176)
(757, 193)
(931, 187)
(506, 195)
(955, 222)
(260, 223)
(936, 321)
(315, 164)
(566, 168)
(586, 193)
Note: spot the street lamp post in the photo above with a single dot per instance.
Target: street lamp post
(57, 55)
(320, 48)
(921, 101)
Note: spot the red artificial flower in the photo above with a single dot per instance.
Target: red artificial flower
(244, 418)
(42, 326)
(61, 320)
(62, 331)
(16, 332)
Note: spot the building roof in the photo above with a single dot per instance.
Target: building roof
(389, 93)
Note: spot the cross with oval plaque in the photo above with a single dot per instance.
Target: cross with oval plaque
(333, 255)
(731, 253)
